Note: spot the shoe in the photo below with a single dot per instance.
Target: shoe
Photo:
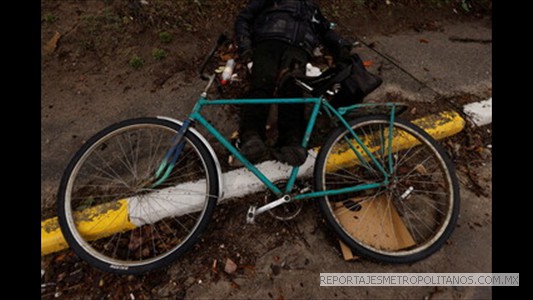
(289, 150)
(253, 147)
(292, 155)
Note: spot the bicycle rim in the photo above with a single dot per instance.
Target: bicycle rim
(142, 224)
(414, 213)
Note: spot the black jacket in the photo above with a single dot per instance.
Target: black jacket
(297, 22)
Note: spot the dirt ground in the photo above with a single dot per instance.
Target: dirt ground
(90, 80)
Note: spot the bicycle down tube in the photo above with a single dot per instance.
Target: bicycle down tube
(196, 116)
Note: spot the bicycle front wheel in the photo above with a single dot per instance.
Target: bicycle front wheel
(114, 215)
(407, 219)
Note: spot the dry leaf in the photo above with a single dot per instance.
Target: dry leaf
(52, 43)
(230, 266)
(368, 63)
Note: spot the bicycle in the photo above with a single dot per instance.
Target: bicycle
(384, 185)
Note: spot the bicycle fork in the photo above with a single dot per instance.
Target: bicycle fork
(172, 155)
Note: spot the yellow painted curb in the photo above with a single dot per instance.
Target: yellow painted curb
(106, 219)
(51, 238)
(93, 223)
(441, 125)
(438, 126)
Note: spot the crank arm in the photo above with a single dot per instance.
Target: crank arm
(254, 212)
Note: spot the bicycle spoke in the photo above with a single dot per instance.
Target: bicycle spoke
(121, 166)
(418, 192)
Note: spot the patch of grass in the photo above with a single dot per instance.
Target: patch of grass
(50, 18)
(102, 30)
(165, 37)
(136, 62)
(159, 54)
(104, 21)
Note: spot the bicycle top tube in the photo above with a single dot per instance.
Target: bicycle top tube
(317, 102)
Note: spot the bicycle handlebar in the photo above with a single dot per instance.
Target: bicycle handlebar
(220, 41)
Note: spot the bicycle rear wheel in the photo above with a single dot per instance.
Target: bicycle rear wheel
(110, 210)
(408, 219)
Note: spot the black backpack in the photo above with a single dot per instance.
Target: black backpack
(356, 86)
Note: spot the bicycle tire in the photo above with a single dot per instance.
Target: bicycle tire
(116, 163)
(431, 191)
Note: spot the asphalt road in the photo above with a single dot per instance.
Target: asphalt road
(449, 59)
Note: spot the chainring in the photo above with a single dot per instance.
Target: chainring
(287, 211)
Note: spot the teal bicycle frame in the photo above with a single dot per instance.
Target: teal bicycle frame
(196, 117)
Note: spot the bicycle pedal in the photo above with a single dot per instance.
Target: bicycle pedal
(250, 215)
